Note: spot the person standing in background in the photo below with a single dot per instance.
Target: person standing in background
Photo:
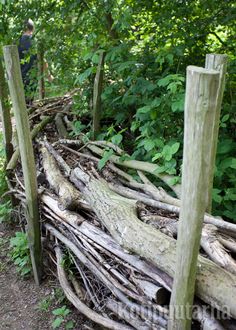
(28, 61)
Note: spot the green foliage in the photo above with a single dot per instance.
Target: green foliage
(78, 128)
(61, 313)
(5, 212)
(5, 205)
(58, 297)
(224, 194)
(148, 46)
(106, 156)
(20, 253)
(45, 304)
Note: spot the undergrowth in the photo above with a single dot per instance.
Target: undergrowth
(5, 205)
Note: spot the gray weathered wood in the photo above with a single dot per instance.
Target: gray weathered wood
(214, 285)
(16, 88)
(37, 128)
(200, 114)
(5, 115)
(97, 91)
(219, 63)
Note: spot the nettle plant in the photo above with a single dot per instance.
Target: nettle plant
(20, 254)
(61, 315)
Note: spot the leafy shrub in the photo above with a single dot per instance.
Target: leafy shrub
(20, 253)
(61, 313)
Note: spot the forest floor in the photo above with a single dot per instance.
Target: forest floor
(23, 305)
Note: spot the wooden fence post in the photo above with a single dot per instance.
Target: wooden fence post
(219, 63)
(16, 88)
(97, 91)
(200, 113)
(41, 82)
(5, 115)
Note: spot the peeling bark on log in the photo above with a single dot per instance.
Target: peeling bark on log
(58, 158)
(214, 285)
(69, 196)
(229, 243)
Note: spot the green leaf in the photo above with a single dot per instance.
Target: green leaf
(167, 153)
(149, 145)
(25, 271)
(57, 322)
(178, 105)
(134, 125)
(216, 195)
(157, 156)
(160, 169)
(156, 102)
(225, 118)
(116, 139)
(230, 194)
(144, 109)
(69, 325)
(83, 76)
(106, 156)
(233, 164)
(125, 65)
(227, 162)
(175, 147)
(173, 181)
(225, 146)
(59, 311)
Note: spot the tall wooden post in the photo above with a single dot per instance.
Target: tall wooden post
(41, 82)
(97, 91)
(219, 63)
(5, 115)
(200, 115)
(16, 88)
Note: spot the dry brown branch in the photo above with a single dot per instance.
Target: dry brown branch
(97, 318)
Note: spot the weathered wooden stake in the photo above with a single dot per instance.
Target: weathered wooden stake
(16, 88)
(5, 115)
(41, 81)
(97, 91)
(200, 114)
(219, 63)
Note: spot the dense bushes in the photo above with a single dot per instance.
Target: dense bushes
(148, 46)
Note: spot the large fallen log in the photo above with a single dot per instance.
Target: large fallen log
(118, 214)
(161, 203)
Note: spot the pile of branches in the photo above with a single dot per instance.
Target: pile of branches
(112, 233)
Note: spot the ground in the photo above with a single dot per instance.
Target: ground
(23, 305)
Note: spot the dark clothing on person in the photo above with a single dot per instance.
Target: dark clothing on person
(28, 62)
